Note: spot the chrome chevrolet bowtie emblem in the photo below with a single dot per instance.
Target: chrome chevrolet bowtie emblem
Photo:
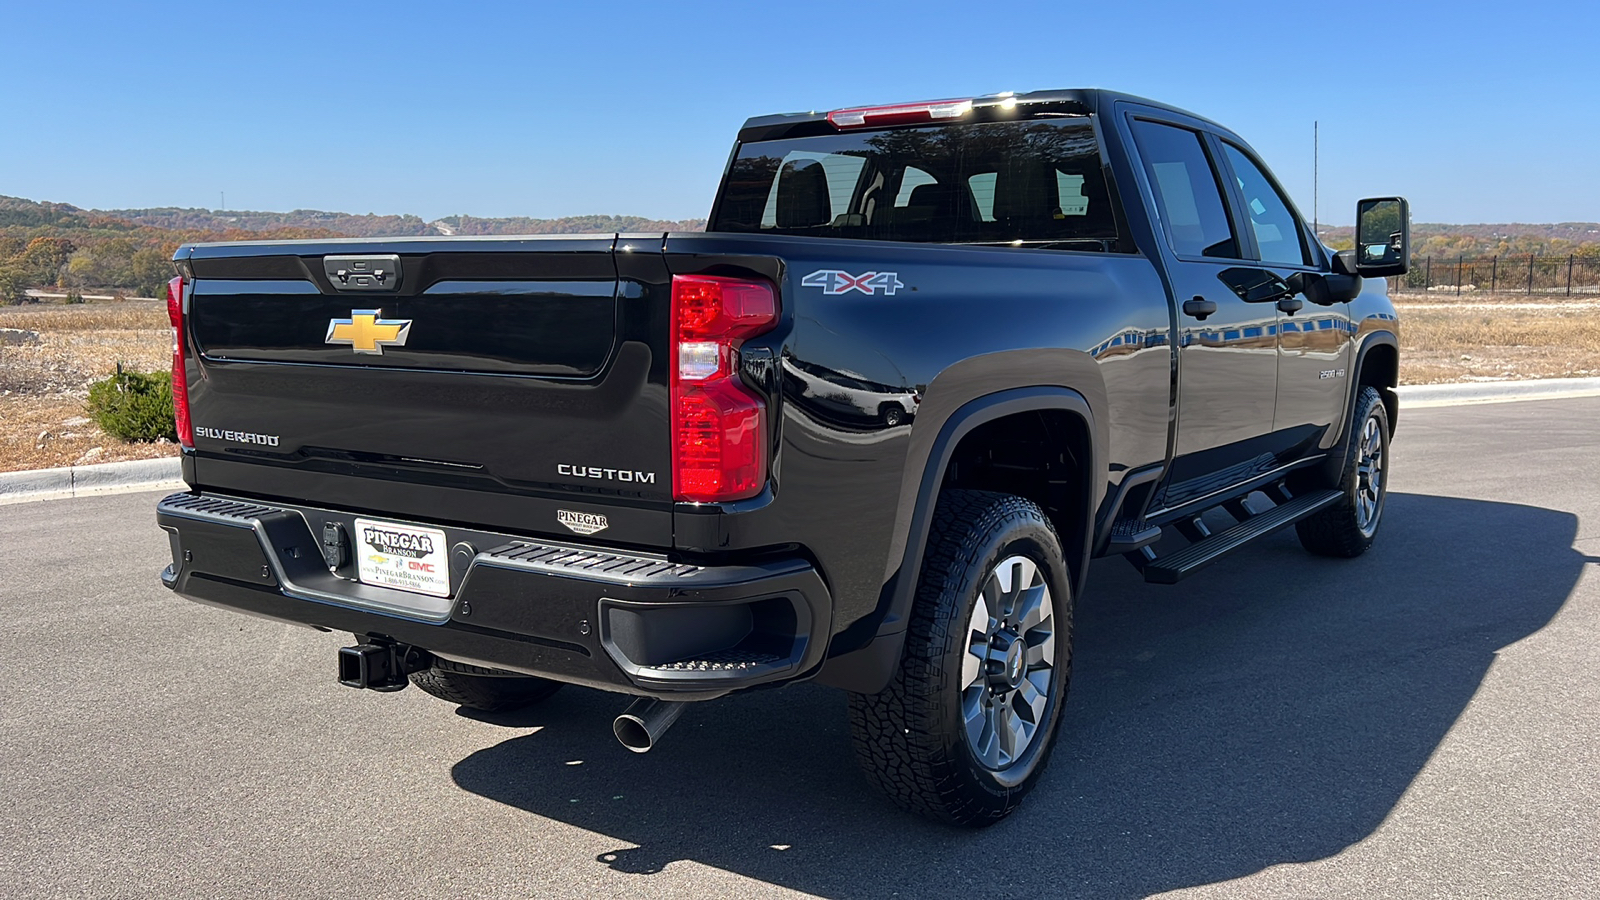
(367, 331)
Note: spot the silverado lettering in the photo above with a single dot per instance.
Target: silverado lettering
(926, 363)
(239, 437)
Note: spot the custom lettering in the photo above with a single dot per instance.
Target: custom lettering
(602, 474)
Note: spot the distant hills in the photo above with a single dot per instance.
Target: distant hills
(128, 250)
(1490, 239)
(389, 226)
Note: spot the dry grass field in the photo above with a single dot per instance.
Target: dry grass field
(1475, 337)
(43, 384)
(1508, 337)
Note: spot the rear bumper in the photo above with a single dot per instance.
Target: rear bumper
(619, 621)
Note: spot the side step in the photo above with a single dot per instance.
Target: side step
(1196, 556)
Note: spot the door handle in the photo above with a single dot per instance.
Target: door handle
(1290, 304)
(1199, 307)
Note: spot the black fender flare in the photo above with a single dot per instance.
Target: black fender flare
(874, 643)
(1375, 339)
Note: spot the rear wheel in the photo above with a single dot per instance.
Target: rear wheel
(964, 729)
(486, 690)
(893, 415)
(1347, 528)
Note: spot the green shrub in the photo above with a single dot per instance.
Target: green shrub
(13, 289)
(134, 406)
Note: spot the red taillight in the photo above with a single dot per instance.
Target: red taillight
(899, 114)
(718, 425)
(180, 374)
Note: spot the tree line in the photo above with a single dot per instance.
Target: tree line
(52, 245)
(1580, 239)
(59, 246)
(56, 245)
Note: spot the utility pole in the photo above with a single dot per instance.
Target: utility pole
(1316, 172)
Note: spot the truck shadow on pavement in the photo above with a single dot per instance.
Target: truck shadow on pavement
(1270, 710)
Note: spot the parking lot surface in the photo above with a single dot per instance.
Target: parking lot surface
(1423, 721)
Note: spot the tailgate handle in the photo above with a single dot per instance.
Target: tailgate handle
(373, 272)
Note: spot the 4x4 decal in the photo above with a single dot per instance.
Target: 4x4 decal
(838, 281)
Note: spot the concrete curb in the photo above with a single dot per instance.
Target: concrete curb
(88, 481)
(1422, 396)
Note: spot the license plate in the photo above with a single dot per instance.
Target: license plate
(405, 557)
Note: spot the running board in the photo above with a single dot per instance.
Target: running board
(1196, 556)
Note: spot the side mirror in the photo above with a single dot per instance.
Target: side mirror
(1383, 237)
(1327, 288)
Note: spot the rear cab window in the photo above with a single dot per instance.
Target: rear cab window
(1036, 183)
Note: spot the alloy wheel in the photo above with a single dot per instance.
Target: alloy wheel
(1008, 670)
(1369, 476)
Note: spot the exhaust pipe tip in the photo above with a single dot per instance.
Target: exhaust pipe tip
(642, 724)
(631, 732)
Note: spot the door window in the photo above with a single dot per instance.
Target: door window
(1278, 232)
(1188, 194)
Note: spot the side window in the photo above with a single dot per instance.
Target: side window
(1070, 191)
(982, 187)
(1187, 191)
(910, 180)
(1278, 232)
(1070, 197)
(811, 189)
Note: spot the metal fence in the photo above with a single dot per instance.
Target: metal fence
(1561, 275)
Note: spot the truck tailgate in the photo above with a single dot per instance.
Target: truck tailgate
(496, 382)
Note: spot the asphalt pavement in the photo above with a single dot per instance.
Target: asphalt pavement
(1421, 722)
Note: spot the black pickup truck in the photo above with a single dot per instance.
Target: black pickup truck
(869, 429)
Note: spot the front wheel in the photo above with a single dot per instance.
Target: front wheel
(1347, 528)
(964, 729)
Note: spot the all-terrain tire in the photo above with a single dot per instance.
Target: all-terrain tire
(1347, 528)
(912, 738)
(486, 690)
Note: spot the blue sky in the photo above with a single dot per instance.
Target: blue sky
(553, 109)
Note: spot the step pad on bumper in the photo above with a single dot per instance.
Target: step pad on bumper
(726, 661)
(218, 507)
(591, 560)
